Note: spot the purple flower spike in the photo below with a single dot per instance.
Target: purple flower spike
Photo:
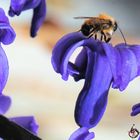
(39, 12)
(135, 109)
(101, 65)
(28, 122)
(82, 134)
(7, 34)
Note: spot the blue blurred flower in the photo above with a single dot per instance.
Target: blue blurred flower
(39, 12)
(7, 34)
(135, 109)
(27, 122)
(5, 101)
(18, 128)
(101, 65)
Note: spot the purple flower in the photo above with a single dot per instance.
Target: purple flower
(82, 134)
(5, 101)
(101, 65)
(27, 122)
(19, 128)
(135, 109)
(7, 34)
(39, 12)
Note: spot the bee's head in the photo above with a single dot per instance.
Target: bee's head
(86, 29)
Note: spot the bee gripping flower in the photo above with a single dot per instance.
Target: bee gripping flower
(101, 65)
(39, 12)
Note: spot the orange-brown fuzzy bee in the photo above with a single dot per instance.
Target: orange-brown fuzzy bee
(103, 24)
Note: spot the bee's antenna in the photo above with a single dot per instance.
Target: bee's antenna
(82, 17)
(122, 34)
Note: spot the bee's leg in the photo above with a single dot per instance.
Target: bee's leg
(95, 36)
(103, 36)
(107, 40)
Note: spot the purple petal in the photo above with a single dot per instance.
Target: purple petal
(82, 134)
(136, 106)
(81, 60)
(61, 47)
(28, 122)
(80, 64)
(91, 103)
(7, 34)
(38, 17)
(66, 46)
(135, 109)
(128, 65)
(17, 6)
(136, 50)
(96, 98)
(5, 103)
(114, 60)
(66, 57)
(4, 69)
(124, 64)
(39, 12)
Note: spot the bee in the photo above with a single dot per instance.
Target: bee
(104, 25)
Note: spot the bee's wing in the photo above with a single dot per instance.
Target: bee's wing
(84, 17)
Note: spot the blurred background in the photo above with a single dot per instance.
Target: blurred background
(37, 90)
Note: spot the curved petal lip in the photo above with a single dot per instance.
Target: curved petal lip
(9, 36)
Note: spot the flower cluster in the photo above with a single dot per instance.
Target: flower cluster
(101, 65)
(7, 36)
(39, 12)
